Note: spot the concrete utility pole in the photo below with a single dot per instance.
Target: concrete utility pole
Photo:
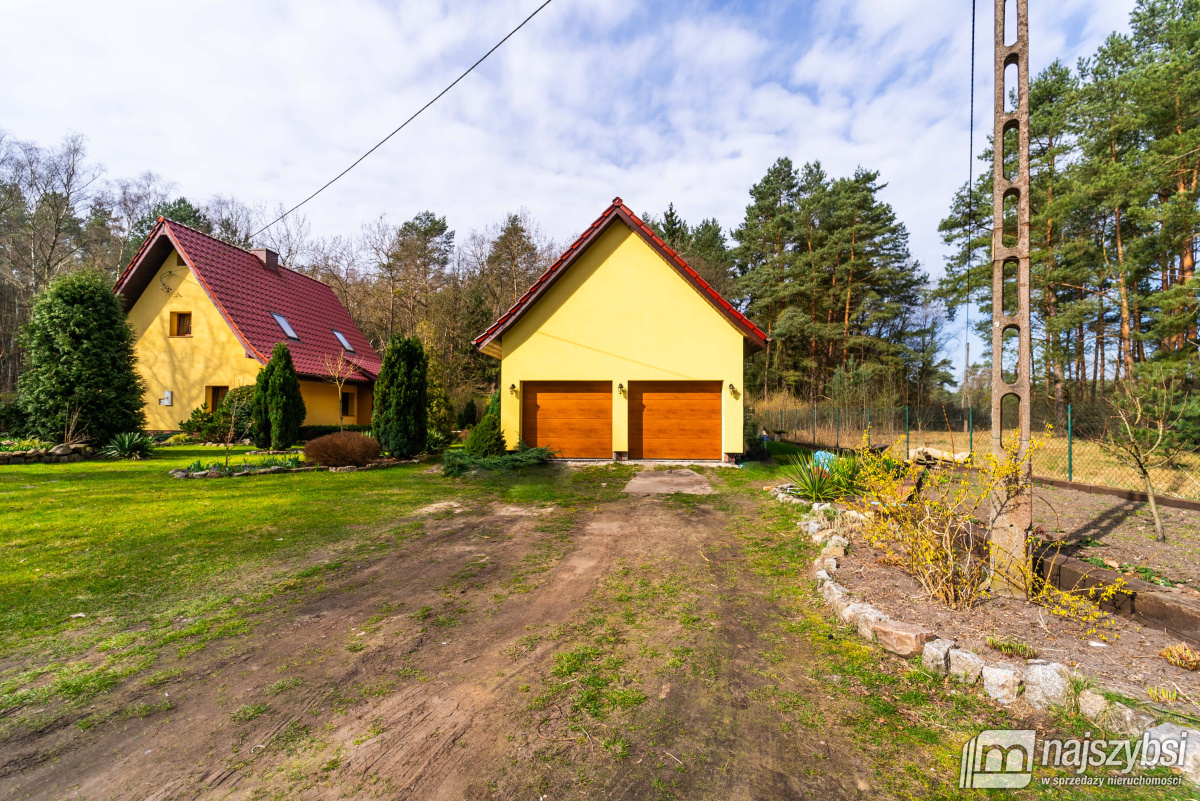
(1012, 518)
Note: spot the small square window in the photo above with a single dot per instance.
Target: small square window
(348, 404)
(285, 325)
(181, 324)
(342, 339)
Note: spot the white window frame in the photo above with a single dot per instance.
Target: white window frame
(342, 339)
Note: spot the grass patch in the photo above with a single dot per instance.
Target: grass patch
(248, 712)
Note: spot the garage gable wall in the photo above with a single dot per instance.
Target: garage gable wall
(620, 313)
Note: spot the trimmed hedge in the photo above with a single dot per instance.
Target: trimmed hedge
(312, 432)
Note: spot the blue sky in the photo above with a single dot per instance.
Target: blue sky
(684, 102)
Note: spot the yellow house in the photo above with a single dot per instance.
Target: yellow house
(206, 316)
(620, 350)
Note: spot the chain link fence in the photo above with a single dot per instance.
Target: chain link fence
(1071, 436)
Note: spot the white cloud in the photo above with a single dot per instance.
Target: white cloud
(268, 100)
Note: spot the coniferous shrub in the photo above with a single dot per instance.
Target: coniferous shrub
(469, 415)
(81, 377)
(341, 449)
(260, 409)
(12, 419)
(487, 438)
(286, 403)
(277, 410)
(399, 421)
(439, 414)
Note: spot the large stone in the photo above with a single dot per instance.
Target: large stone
(824, 534)
(831, 590)
(61, 450)
(849, 614)
(839, 603)
(835, 551)
(822, 577)
(810, 526)
(901, 638)
(1127, 721)
(935, 656)
(1093, 706)
(965, 665)
(1047, 684)
(1001, 684)
(867, 622)
(1188, 762)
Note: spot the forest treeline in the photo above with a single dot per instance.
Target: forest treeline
(820, 263)
(1114, 163)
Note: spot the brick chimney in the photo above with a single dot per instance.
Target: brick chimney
(268, 257)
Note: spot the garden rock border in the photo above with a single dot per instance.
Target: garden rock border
(54, 455)
(1044, 684)
(268, 471)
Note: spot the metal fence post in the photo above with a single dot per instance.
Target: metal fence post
(971, 430)
(837, 428)
(1070, 446)
(907, 452)
(814, 416)
(868, 426)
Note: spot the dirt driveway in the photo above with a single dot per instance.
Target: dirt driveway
(653, 647)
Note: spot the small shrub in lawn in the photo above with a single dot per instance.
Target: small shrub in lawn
(459, 461)
(342, 449)
(175, 440)
(130, 445)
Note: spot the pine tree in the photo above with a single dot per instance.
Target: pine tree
(400, 419)
(80, 376)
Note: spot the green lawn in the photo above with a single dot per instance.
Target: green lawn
(130, 547)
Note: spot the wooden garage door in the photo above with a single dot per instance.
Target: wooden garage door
(571, 417)
(675, 420)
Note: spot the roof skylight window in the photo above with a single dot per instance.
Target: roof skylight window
(285, 325)
(342, 338)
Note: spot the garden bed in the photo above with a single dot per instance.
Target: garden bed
(1128, 662)
(1118, 531)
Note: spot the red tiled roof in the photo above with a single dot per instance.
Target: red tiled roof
(619, 211)
(247, 292)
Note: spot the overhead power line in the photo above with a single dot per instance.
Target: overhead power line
(416, 114)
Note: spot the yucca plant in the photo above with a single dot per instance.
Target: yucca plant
(130, 445)
(836, 479)
(809, 481)
(844, 473)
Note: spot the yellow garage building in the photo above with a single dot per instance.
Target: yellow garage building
(621, 350)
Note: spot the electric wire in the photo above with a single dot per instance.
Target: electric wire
(416, 114)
